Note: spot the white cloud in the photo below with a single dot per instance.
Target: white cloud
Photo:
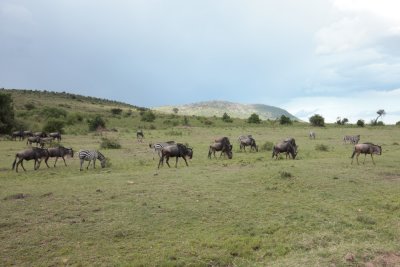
(355, 106)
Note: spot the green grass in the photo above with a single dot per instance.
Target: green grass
(248, 211)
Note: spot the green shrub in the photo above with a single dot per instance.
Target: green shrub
(285, 174)
(29, 106)
(73, 118)
(254, 118)
(96, 122)
(116, 111)
(148, 116)
(285, 120)
(267, 146)
(7, 118)
(175, 133)
(54, 125)
(226, 118)
(52, 112)
(321, 147)
(109, 143)
(360, 123)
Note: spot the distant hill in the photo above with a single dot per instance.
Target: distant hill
(234, 110)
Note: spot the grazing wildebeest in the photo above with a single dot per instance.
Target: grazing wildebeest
(366, 148)
(158, 146)
(177, 150)
(286, 147)
(57, 152)
(352, 139)
(28, 133)
(311, 135)
(45, 140)
(34, 153)
(55, 135)
(247, 141)
(16, 134)
(139, 135)
(91, 155)
(221, 144)
(33, 139)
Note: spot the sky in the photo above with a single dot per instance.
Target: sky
(336, 58)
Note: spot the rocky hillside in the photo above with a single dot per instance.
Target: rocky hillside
(234, 110)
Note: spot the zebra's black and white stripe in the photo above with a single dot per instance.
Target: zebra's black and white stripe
(159, 146)
(91, 155)
(352, 139)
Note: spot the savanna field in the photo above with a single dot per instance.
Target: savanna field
(252, 210)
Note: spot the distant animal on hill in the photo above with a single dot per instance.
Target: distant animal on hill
(177, 151)
(34, 153)
(366, 148)
(55, 135)
(57, 152)
(221, 144)
(352, 139)
(287, 146)
(311, 135)
(91, 155)
(247, 140)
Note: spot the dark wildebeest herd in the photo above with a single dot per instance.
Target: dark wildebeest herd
(49, 150)
(165, 150)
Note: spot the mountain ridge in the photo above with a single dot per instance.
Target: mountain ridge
(234, 110)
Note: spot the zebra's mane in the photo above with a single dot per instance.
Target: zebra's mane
(100, 156)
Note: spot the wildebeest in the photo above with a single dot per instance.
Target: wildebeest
(221, 144)
(139, 135)
(33, 139)
(91, 155)
(352, 139)
(28, 133)
(176, 150)
(16, 134)
(55, 135)
(288, 146)
(34, 153)
(247, 140)
(45, 140)
(311, 135)
(366, 148)
(158, 146)
(57, 152)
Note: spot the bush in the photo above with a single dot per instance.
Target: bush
(254, 118)
(285, 120)
(398, 123)
(73, 118)
(29, 106)
(116, 111)
(148, 116)
(360, 123)
(321, 147)
(96, 122)
(267, 146)
(377, 123)
(226, 118)
(51, 112)
(7, 119)
(54, 125)
(317, 120)
(109, 143)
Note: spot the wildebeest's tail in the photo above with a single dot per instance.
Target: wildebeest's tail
(15, 161)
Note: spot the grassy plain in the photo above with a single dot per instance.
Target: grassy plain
(248, 211)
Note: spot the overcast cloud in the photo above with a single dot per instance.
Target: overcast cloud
(335, 58)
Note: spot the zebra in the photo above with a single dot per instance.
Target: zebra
(91, 155)
(159, 146)
(311, 135)
(352, 139)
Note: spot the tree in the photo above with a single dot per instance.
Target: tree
(96, 122)
(380, 113)
(175, 110)
(7, 119)
(54, 125)
(226, 118)
(254, 118)
(360, 123)
(285, 120)
(342, 121)
(317, 120)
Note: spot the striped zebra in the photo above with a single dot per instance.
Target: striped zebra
(352, 139)
(159, 146)
(91, 155)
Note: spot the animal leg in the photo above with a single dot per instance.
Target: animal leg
(365, 156)
(87, 168)
(81, 165)
(166, 160)
(161, 161)
(22, 164)
(372, 159)
(94, 163)
(176, 163)
(358, 154)
(185, 161)
(63, 160)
